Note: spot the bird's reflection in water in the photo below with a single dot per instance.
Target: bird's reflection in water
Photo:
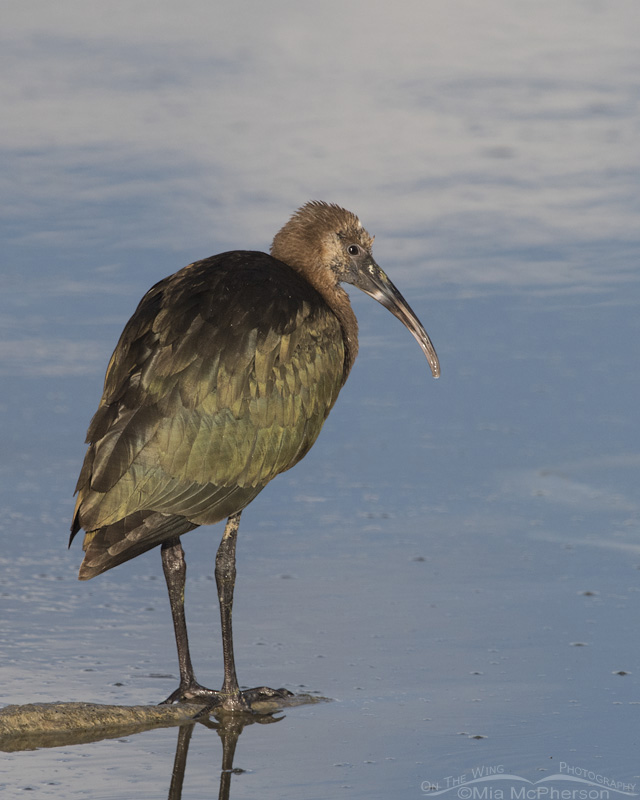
(229, 728)
(39, 726)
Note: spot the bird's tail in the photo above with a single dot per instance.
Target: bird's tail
(129, 537)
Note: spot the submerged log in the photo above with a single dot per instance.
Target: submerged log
(34, 725)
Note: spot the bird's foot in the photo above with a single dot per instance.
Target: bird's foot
(262, 693)
(191, 692)
(237, 701)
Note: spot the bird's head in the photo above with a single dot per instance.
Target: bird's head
(328, 245)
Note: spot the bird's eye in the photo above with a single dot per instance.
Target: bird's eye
(353, 250)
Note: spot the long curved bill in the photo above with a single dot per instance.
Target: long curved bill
(372, 280)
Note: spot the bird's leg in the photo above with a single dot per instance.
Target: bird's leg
(232, 698)
(175, 570)
(175, 573)
(225, 581)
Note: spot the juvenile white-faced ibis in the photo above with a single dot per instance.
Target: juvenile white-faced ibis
(221, 380)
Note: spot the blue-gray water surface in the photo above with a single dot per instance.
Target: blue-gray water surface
(456, 563)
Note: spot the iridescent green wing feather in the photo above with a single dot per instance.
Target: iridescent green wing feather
(221, 380)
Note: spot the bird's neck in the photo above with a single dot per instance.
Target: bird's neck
(323, 281)
(338, 301)
(341, 306)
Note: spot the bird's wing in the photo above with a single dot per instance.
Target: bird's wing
(221, 380)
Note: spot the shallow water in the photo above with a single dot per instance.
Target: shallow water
(456, 564)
